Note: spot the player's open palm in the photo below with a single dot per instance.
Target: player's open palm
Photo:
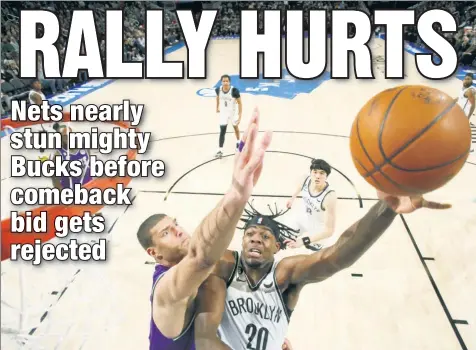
(249, 162)
(406, 205)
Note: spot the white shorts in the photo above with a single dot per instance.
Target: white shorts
(226, 119)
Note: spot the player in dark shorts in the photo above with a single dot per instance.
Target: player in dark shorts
(227, 99)
(184, 261)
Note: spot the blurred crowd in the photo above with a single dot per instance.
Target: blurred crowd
(464, 41)
(227, 24)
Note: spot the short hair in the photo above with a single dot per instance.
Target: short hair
(143, 234)
(320, 164)
(225, 76)
(469, 75)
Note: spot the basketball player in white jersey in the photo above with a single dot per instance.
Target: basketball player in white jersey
(315, 216)
(227, 98)
(466, 98)
(36, 96)
(247, 301)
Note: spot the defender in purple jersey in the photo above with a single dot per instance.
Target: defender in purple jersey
(72, 154)
(184, 341)
(184, 261)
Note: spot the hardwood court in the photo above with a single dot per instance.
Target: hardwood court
(414, 289)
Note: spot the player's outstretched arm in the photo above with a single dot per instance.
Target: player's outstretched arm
(296, 193)
(352, 244)
(212, 237)
(210, 307)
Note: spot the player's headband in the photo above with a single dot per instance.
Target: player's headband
(259, 220)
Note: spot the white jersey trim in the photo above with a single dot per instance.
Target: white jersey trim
(305, 187)
(258, 284)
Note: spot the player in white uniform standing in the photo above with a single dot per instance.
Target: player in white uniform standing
(466, 98)
(227, 99)
(316, 213)
(247, 301)
(36, 96)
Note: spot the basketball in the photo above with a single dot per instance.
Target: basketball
(410, 140)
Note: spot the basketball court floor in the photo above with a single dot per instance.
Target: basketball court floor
(413, 290)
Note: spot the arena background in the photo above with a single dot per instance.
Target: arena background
(413, 290)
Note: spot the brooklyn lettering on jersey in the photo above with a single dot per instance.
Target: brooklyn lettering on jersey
(312, 204)
(246, 305)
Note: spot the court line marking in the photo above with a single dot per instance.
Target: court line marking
(461, 322)
(433, 284)
(232, 132)
(253, 195)
(262, 131)
(270, 151)
(422, 259)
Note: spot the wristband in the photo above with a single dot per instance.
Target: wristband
(307, 244)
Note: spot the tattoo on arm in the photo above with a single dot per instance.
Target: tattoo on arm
(215, 232)
(355, 241)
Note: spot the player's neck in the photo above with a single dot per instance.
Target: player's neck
(172, 262)
(316, 188)
(225, 90)
(255, 274)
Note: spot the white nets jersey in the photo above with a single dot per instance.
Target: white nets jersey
(312, 214)
(255, 317)
(227, 100)
(464, 102)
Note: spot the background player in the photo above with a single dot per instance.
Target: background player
(466, 98)
(70, 154)
(36, 96)
(184, 262)
(248, 300)
(227, 99)
(316, 215)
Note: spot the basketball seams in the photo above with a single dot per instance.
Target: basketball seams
(428, 171)
(440, 116)
(365, 169)
(382, 127)
(396, 184)
(409, 142)
(433, 167)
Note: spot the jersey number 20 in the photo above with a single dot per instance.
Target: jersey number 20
(261, 336)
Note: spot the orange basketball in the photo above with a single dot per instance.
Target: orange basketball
(410, 140)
